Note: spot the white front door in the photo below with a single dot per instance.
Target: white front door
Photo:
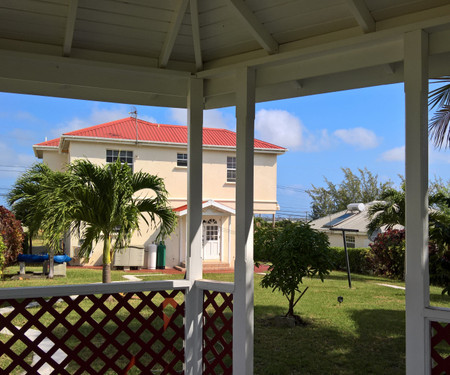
(211, 238)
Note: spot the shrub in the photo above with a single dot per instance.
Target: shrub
(387, 254)
(12, 233)
(439, 267)
(357, 258)
(295, 251)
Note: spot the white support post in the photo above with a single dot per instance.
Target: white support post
(243, 270)
(194, 296)
(416, 173)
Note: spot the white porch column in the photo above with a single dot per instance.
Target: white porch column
(416, 172)
(243, 269)
(194, 297)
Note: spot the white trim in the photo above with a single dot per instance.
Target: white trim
(68, 138)
(230, 261)
(97, 288)
(217, 286)
(221, 238)
(213, 204)
(437, 314)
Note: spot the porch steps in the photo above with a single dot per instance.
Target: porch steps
(209, 266)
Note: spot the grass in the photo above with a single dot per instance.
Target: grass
(364, 334)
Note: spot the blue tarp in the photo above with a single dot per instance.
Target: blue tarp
(34, 258)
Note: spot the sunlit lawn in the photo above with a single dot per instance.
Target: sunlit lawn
(363, 335)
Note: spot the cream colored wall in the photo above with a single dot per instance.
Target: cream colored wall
(55, 160)
(162, 162)
(336, 239)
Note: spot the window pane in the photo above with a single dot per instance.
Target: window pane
(182, 160)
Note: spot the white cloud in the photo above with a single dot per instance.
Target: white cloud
(362, 138)
(394, 154)
(212, 118)
(435, 156)
(284, 129)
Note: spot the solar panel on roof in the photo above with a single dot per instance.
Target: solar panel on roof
(338, 220)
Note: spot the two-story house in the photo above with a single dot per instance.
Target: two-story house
(162, 150)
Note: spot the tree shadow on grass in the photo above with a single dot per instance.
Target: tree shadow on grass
(375, 346)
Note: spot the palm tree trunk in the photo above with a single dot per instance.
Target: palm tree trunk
(107, 259)
(51, 266)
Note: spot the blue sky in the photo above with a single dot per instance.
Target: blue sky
(354, 129)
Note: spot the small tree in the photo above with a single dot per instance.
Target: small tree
(12, 233)
(296, 251)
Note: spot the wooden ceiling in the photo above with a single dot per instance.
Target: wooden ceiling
(144, 51)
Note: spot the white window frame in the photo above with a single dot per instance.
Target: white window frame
(126, 156)
(231, 168)
(351, 241)
(182, 160)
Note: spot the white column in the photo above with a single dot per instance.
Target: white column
(194, 296)
(416, 173)
(243, 270)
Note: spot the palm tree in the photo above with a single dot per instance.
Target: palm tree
(103, 203)
(389, 211)
(22, 198)
(439, 124)
(32, 198)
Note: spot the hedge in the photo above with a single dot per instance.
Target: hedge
(357, 257)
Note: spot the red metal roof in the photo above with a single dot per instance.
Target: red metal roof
(147, 131)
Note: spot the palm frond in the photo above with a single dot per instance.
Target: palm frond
(439, 128)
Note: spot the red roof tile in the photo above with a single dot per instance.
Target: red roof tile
(147, 131)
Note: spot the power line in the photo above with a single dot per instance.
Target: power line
(291, 188)
(14, 166)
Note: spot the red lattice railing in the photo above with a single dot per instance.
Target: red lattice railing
(440, 348)
(131, 333)
(217, 333)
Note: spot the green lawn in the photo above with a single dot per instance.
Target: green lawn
(365, 334)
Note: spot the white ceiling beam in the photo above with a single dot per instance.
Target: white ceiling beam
(380, 54)
(361, 13)
(196, 34)
(88, 75)
(439, 18)
(70, 27)
(254, 26)
(174, 28)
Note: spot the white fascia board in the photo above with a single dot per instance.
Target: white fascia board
(65, 139)
(38, 150)
(216, 205)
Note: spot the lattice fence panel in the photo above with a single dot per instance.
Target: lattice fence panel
(440, 348)
(217, 333)
(130, 333)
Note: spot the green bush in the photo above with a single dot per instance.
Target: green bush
(295, 251)
(357, 258)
